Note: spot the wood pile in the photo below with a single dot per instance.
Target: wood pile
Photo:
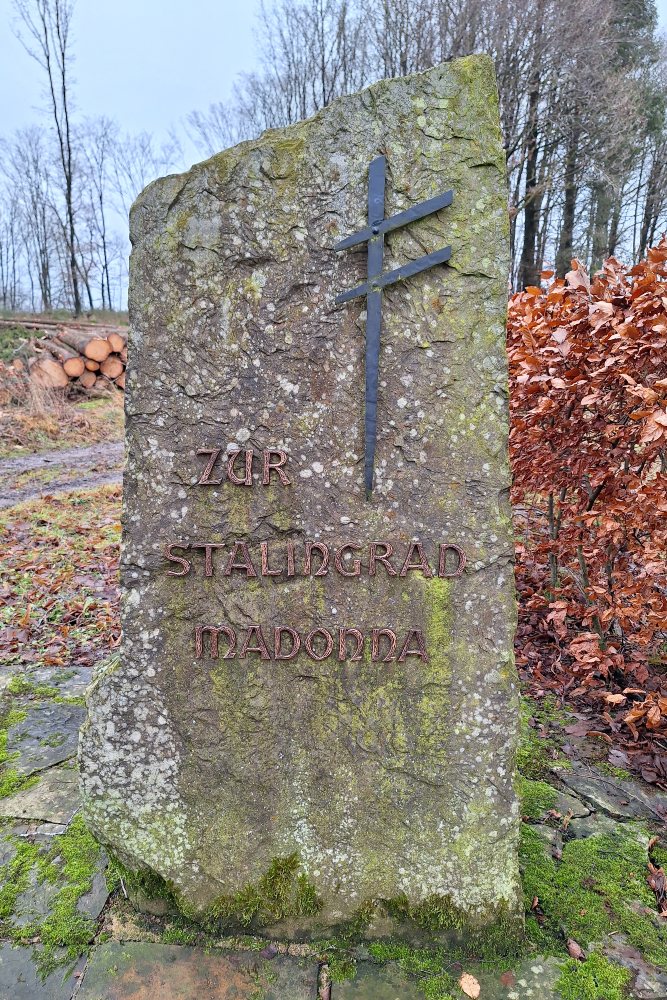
(75, 355)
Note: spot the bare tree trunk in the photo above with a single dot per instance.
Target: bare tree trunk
(48, 23)
(528, 274)
(602, 209)
(566, 240)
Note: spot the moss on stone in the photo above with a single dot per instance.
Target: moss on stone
(11, 780)
(14, 879)
(537, 797)
(537, 755)
(595, 979)
(598, 888)
(71, 863)
(281, 893)
(19, 685)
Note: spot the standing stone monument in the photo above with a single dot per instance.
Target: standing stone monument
(313, 717)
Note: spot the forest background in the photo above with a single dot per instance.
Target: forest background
(583, 89)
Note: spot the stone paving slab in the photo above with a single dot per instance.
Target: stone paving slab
(616, 798)
(71, 682)
(140, 971)
(19, 979)
(649, 983)
(54, 799)
(533, 979)
(377, 982)
(48, 735)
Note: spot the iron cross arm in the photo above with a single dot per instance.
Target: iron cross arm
(378, 279)
(390, 277)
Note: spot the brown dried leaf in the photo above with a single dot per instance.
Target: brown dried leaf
(575, 950)
(469, 985)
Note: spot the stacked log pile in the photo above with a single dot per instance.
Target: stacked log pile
(75, 355)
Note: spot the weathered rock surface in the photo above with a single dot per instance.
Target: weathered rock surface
(617, 798)
(20, 979)
(388, 779)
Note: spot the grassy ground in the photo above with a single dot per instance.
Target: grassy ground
(49, 421)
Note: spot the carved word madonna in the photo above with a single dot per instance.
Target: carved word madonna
(284, 643)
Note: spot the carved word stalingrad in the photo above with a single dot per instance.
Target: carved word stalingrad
(309, 558)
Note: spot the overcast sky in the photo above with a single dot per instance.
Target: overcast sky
(145, 63)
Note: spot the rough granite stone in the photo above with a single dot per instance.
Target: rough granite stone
(388, 780)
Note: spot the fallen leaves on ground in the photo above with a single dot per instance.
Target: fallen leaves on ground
(59, 602)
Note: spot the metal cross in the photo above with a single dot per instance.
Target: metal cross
(373, 234)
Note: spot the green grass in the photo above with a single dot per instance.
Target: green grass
(11, 338)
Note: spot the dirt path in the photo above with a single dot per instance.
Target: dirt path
(51, 472)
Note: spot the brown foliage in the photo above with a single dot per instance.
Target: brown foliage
(588, 369)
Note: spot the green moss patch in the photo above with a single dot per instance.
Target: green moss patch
(70, 863)
(537, 754)
(10, 779)
(281, 893)
(595, 979)
(598, 888)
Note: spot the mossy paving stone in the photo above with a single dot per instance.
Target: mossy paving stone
(48, 735)
(19, 979)
(533, 979)
(70, 682)
(616, 798)
(649, 983)
(54, 799)
(377, 982)
(139, 971)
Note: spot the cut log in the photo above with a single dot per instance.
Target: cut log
(123, 354)
(74, 366)
(120, 381)
(91, 347)
(112, 367)
(88, 380)
(117, 341)
(49, 373)
(92, 366)
(59, 350)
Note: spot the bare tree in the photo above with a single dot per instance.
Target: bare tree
(98, 139)
(136, 161)
(214, 129)
(10, 251)
(572, 81)
(46, 38)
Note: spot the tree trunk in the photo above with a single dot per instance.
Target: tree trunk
(528, 274)
(566, 240)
